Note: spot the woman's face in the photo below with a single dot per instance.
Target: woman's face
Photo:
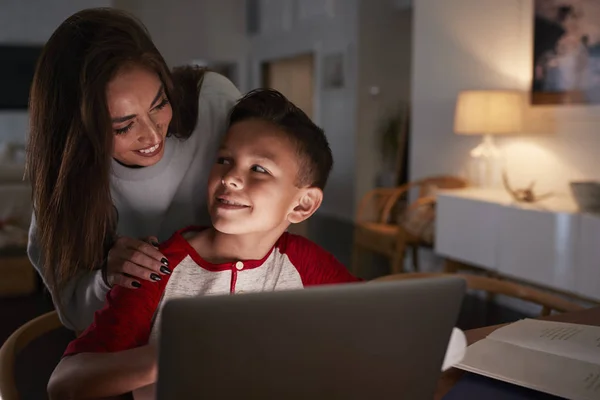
(140, 113)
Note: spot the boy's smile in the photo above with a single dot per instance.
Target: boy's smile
(252, 186)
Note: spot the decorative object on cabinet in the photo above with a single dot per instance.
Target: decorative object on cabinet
(487, 113)
(383, 217)
(524, 195)
(586, 195)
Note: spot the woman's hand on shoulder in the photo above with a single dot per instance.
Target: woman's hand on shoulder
(131, 260)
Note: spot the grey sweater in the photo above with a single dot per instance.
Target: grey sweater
(155, 200)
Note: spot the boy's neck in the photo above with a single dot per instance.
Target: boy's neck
(218, 248)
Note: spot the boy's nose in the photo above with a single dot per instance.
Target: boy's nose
(232, 181)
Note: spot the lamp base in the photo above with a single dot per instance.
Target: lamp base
(486, 164)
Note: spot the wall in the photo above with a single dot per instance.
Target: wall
(382, 27)
(32, 22)
(292, 27)
(188, 30)
(487, 44)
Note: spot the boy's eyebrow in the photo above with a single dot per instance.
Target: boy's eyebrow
(266, 155)
(263, 154)
(159, 94)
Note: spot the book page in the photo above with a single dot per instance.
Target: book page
(580, 342)
(544, 372)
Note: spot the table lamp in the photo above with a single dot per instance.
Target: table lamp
(487, 113)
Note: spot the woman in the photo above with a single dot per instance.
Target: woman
(119, 150)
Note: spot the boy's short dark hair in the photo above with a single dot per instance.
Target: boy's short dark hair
(314, 155)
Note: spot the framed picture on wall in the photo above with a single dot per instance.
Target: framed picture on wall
(333, 71)
(566, 52)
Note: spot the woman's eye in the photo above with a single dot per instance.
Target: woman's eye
(162, 104)
(258, 168)
(222, 160)
(124, 130)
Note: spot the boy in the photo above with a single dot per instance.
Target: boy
(270, 172)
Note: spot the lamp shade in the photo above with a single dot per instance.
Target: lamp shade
(488, 112)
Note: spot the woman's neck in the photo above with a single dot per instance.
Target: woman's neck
(128, 166)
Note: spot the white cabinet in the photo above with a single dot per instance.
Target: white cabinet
(466, 230)
(587, 279)
(548, 243)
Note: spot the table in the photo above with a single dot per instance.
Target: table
(590, 316)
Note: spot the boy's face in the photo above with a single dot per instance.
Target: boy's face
(252, 186)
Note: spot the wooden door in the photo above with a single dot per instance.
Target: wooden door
(294, 78)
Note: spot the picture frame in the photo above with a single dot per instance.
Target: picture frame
(566, 52)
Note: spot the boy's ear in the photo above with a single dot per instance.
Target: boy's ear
(309, 201)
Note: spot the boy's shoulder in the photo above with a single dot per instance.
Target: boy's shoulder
(300, 248)
(176, 248)
(315, 265)
(290, 242)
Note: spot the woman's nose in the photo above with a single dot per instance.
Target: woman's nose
(150, 133)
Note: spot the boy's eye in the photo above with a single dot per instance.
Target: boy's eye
(223, 160)
(258, 168)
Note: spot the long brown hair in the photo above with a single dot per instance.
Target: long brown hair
(71, 139)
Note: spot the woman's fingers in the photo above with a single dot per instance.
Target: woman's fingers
(142, 259)
(143, 247)
(131, 260)
(138, 272)
(153, 240)
(125, 281)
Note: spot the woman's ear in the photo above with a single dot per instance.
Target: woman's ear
(308, 202)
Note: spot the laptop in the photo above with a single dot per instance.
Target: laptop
(352, 341)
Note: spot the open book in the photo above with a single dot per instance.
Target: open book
(553, 357)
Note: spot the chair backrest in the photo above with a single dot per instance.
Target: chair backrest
(439, 182)
(378, 204)
(549, 302)
(424, 187)
(16, 344)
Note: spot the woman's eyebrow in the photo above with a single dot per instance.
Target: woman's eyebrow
(128, 117)
(158, 95)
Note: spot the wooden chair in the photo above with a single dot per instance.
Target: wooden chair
(376, 223)
(46, 324)
(549, 302)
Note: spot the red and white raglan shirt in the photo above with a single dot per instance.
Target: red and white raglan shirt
(131, 317)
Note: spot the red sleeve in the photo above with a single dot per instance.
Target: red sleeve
(315, 265)
(123, 323)
(125, 320)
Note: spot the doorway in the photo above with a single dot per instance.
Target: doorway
(294, 78)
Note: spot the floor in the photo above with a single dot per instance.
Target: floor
(334, 236)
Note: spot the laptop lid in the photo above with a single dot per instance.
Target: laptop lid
(351, 341)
